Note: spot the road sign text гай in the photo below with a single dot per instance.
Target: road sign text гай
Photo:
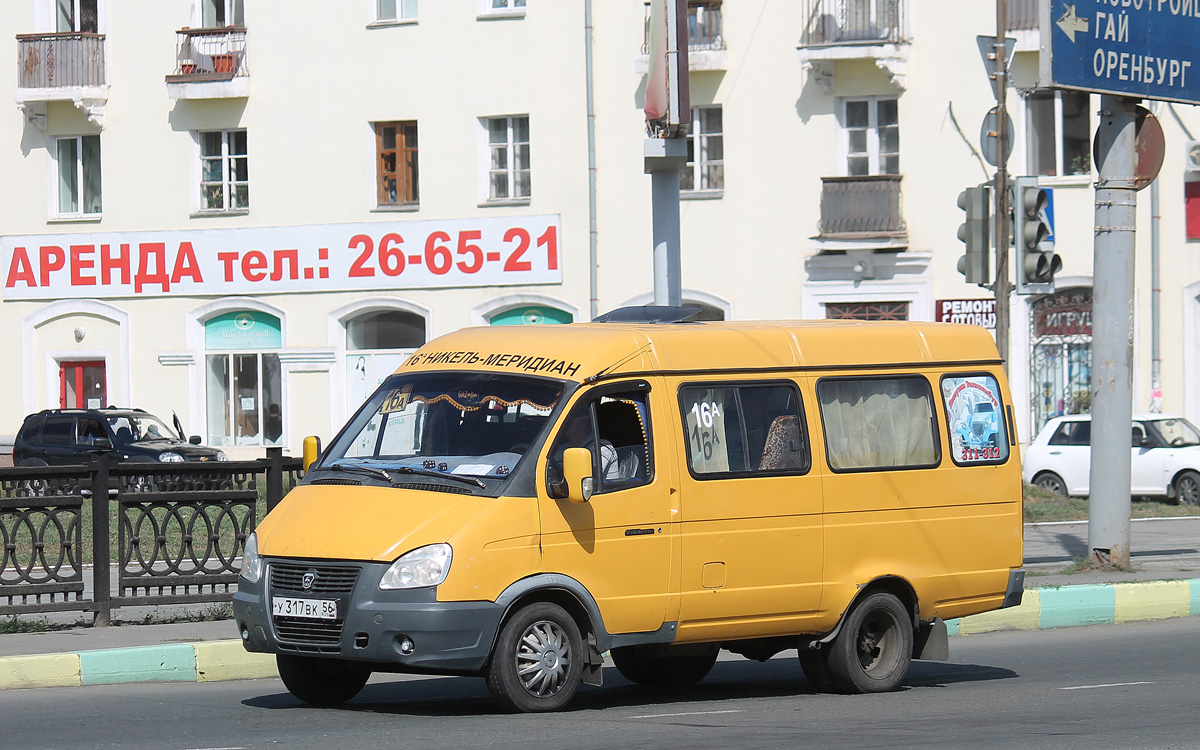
(1144, 49)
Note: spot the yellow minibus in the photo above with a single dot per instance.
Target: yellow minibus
(516, 502)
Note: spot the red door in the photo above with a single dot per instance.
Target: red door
(82, 385)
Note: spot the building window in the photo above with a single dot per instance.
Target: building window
(508, 158)
(1060, 132)
(244, 382)
(77, 15)
(217, 13)
(395, 10)
(224, 175)
(396, 149)
(705, 169)
(77, 165)
(376, 344)
(501, 7)
(704, 24)
(527, 315)
(866, 311)
(871, 135)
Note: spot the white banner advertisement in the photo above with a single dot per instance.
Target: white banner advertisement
(263, 260)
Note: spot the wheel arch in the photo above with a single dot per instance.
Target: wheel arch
(893, 584)
(558, 589)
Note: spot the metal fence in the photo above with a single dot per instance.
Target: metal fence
(841, 22)
(867, 206)
(59, 60)
(180, 531)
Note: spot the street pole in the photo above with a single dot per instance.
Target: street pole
(1001, 286)
(1112, 332)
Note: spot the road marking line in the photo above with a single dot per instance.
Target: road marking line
(1111, 684)
(690, 713)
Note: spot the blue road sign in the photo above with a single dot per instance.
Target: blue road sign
(1146, 49)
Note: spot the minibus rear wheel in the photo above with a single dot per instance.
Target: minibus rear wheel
(538, 660)
(644, 666)
(873, 649)
(322, 682)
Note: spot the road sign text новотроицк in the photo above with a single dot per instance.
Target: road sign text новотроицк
(1148, 49)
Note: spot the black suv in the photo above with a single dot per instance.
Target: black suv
(68, 436)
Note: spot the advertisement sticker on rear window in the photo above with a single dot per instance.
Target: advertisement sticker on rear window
(975, 416)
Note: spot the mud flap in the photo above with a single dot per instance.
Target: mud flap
(932, 641)
(593, 668)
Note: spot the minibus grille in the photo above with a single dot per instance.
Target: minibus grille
(309, 635)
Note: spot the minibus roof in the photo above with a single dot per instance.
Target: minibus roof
(588, 351)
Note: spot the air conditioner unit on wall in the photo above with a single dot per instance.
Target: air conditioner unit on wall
(1191, 156)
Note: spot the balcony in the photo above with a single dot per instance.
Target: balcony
(210, 64)
(65, 66)
(706, 43)
(855, 30)
(862, 208)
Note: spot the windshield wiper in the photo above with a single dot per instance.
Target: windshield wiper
(441, 475)
(368, 470)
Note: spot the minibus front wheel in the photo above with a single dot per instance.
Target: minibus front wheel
(873, 649)
(538, 660)
(322, 682)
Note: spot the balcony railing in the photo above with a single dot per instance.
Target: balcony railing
(60, 60)
(1023, 15)
(854, 22)
(704, 27)
(217, 54)
(865, 207)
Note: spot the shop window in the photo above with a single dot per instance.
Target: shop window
(244, 382)
(531, 315)
(376, 344)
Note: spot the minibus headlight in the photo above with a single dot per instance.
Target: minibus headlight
(424, 566)
(251, 563)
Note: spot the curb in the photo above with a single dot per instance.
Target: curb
(209, 661)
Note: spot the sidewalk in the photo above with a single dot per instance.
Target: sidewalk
(1166, 584)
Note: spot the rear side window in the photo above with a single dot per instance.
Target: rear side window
(59, 431)
(878, 423)
(1072, 433)
(30, 429)
(744, 429)
(975, 418)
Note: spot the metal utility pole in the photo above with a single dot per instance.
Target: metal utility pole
(668, 115)
(1112, 332)
(1001, 288)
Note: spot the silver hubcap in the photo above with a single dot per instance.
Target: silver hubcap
(543, 659)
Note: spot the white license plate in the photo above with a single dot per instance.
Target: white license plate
(313, 609)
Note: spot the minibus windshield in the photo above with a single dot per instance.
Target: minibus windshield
(457, 423)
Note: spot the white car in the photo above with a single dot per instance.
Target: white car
(1165, 457)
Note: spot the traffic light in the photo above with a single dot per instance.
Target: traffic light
(1033, 238)
(975, 264)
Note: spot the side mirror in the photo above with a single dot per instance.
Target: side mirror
(194, 440)
(577, 471)
(312, 451)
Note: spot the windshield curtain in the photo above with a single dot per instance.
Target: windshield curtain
(471, 424)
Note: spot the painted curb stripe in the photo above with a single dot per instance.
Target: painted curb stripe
(42, 670)
(229, 660)
(1071, 606)
(171, 663)
(1157, 600)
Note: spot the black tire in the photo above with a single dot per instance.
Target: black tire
(873, 649)
(537, 661)
(815, 665)
(652, 665)
(322, 682)
(32, 462)
(1052, 482)
(1187, 488)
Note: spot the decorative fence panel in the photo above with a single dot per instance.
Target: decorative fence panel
(180, 531)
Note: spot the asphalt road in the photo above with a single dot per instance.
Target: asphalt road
(1128, 686)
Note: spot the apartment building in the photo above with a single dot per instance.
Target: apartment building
(222, 209)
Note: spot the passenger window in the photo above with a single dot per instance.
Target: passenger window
(92, 433)
(59, 430)
(744, 429)
(975, 418)
(1072, 433)
(878, 423)
(619, 424)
